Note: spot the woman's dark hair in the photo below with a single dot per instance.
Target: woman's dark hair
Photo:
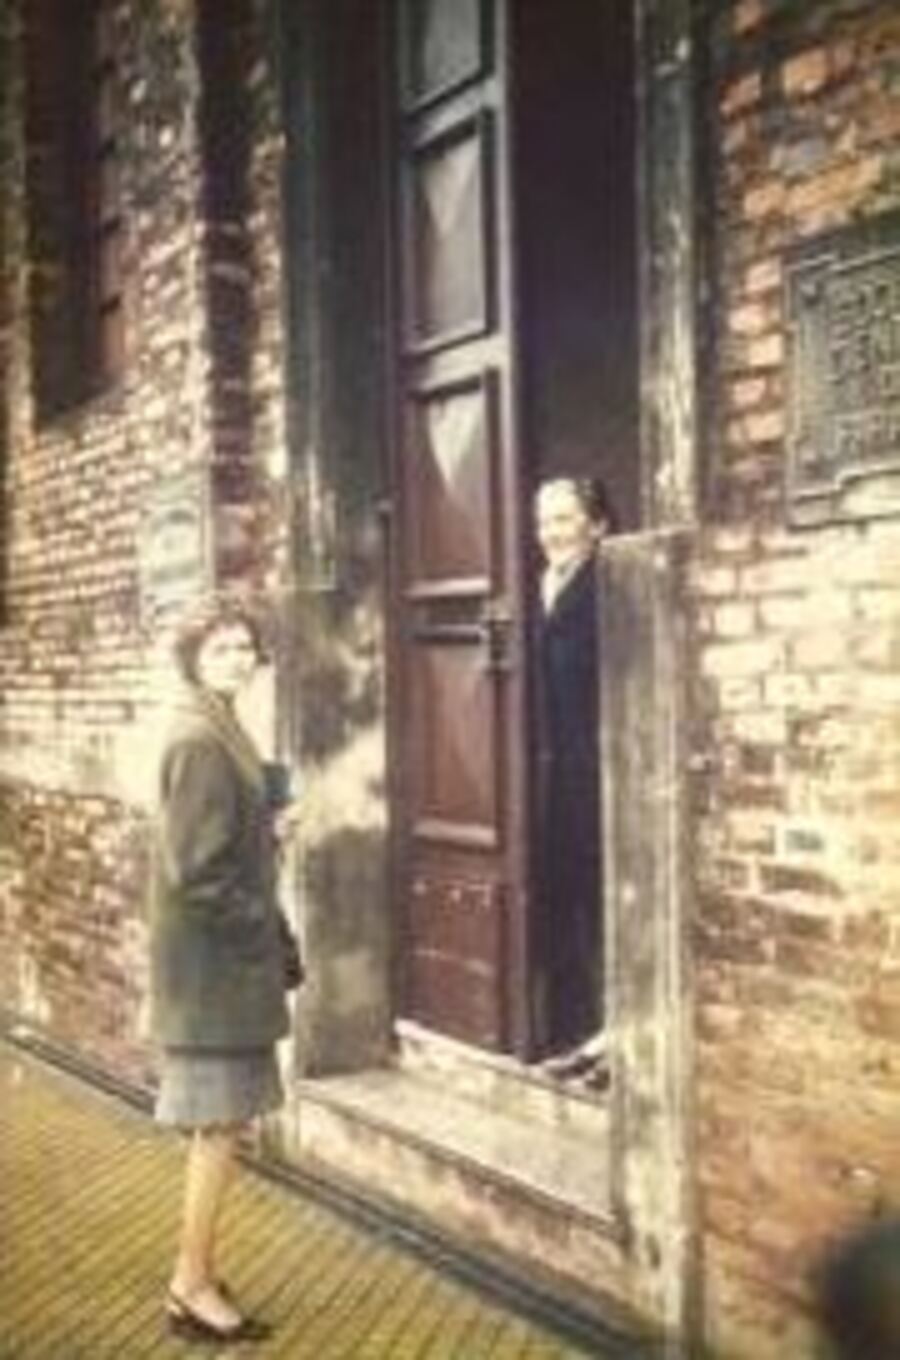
(596, 500)
(205, 616)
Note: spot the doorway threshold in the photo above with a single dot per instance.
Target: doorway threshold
(504, 1083)
(480, 1126)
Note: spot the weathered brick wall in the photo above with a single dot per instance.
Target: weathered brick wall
(78, 658)
(797, 696)
(202, 173)
(269, 509)
(242, 149)
(798, 703)
(74, 958)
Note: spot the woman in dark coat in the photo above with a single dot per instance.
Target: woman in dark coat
(217, 949)
(571, 518)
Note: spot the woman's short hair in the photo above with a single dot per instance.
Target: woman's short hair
(591, 494)
(207, 615)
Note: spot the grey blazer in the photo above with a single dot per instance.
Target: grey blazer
(217, 965)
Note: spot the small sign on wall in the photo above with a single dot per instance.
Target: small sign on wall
(843, 374)
(174, 547)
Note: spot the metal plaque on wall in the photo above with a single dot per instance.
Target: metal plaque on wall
(843, 374)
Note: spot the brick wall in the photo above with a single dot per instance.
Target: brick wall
(798, 704)
(796, 742)
(202, 171)
(79, 654)
(74, 958)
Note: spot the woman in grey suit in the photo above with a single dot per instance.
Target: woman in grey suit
(218, 948)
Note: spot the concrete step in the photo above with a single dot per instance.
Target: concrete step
(519, 1185)
(503, 1084)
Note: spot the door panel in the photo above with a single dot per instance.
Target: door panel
(455, 791)
(443, 45)
(448, 527)
(448, 285)
(458, 696)
(458, 982)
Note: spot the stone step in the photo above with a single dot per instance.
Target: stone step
(503, 1084)
(512, 1184)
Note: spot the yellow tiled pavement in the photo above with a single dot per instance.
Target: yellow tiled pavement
(89, 1192)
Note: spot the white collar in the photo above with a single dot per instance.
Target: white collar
(555, 579)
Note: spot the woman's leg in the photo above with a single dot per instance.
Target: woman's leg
(209, 1166)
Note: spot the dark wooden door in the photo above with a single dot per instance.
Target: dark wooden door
(458, 694)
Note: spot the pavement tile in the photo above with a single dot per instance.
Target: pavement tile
(89, 1201)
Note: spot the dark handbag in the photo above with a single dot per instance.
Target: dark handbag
(276, 785)
(292, 959)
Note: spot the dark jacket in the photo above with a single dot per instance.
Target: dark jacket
(569, 681)
(569, 926)
(217, 979)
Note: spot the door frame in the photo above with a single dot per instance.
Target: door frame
(651, 1170)
(645, 576)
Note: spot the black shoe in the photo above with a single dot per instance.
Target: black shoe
(184, 1322)
(598, 1078)
(573, 1063)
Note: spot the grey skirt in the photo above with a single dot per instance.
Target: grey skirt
(200, 1089)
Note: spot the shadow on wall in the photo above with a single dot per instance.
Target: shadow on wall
(341, 848)
(341, 679)
(344, 868)
(341, 737)
(858, 1286)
